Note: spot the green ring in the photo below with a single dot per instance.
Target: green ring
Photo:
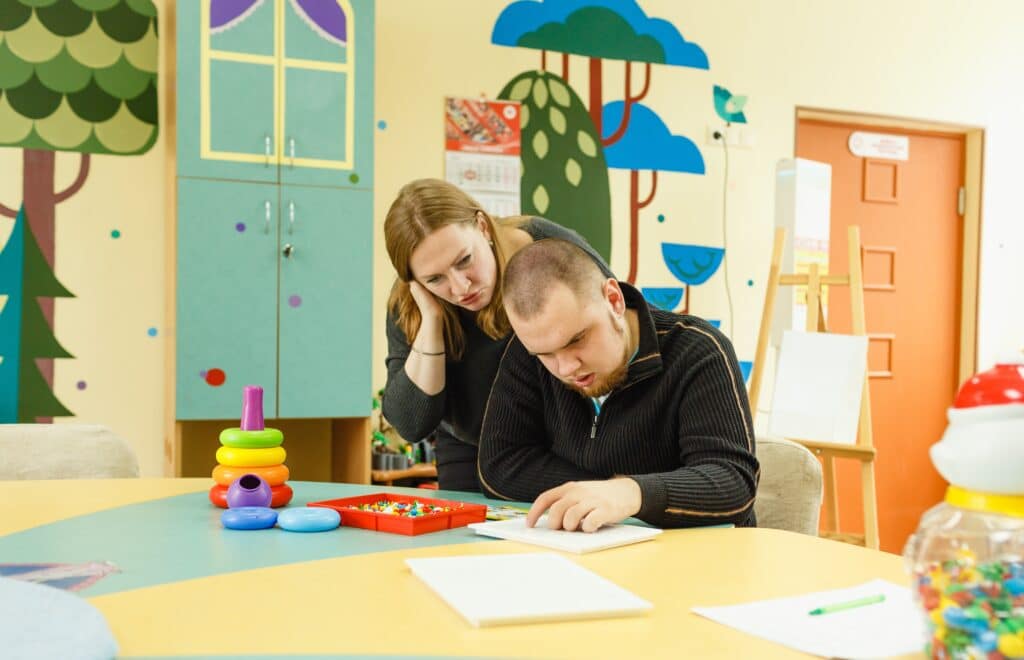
(265, 439)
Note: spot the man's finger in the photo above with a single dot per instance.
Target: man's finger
(595, 519)
(576, 513)
(541, 504)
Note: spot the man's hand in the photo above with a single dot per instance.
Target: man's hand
(586, 505)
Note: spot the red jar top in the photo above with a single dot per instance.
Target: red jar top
(1002, 384)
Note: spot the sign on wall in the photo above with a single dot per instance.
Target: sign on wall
(482, 146)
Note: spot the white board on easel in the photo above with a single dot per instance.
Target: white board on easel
(819, 382)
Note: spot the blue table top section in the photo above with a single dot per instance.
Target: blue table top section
(180, 538)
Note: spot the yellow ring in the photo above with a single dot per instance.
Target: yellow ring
(235, 457)
(1011, 505)
(236, 437)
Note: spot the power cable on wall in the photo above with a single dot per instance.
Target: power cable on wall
(718, 135)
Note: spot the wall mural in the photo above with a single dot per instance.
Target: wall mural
(568, 146)
(75, 75)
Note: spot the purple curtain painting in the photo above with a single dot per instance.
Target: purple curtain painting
(325, 17)
(226, 14)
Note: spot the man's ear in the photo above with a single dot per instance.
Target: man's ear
(613, 295)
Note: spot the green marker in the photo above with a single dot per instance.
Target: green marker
(848, 605)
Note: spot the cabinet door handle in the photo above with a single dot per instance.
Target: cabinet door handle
(291, 151)
(266, 217)
(266, 150)
(288, 250)
(291, 217)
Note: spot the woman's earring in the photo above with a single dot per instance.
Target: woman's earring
(490, 242)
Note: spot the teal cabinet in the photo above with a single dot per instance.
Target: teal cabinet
(226, 295)
(276, 91)
(325, 302)
(275, 206)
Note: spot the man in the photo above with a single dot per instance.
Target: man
(605, 408)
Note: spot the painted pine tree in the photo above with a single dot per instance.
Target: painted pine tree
(75, 75)
(24, 334)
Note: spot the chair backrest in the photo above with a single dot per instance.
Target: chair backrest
(790, 490)
(64, 451)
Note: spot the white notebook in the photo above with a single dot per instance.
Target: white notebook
(609, 536)
(492, 590)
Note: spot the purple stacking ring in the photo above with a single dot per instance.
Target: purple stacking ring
(248, 490)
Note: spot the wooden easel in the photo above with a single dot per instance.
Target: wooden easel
(863, 450)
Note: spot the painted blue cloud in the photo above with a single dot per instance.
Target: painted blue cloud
(526, 16)
(647, 143)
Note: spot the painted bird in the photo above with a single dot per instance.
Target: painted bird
(729, 107)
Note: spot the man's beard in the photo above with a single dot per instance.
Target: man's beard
(605, 385)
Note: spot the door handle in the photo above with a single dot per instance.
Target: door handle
(288, 250)
(266, 150)
(291, 217)
(266, 217)
(291, 151)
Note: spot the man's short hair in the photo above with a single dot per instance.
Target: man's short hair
(534, 269)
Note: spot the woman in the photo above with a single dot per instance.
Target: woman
(446, 325)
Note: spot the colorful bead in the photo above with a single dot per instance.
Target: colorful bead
(973, 610)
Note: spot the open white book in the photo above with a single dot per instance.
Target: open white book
(609, 536)
(490, 590)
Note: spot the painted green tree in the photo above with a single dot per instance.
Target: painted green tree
(75, 75)
(25, 337)
(598, 30)
(565, 176)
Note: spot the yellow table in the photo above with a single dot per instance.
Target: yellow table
(305, 600)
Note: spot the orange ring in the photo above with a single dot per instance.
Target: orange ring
(274, 475)
(279, 495)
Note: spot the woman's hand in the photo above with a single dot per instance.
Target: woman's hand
(430, 309)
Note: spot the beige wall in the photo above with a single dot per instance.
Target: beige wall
(938, 60)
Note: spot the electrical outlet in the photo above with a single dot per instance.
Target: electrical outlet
(733, 135)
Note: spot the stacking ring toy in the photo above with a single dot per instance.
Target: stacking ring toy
(236, 437)
(274, 475)
(250, 457)
(248, 490)
(308, 519)
(279, 496)
(249, 517)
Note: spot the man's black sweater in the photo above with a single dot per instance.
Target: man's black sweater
(679, 425)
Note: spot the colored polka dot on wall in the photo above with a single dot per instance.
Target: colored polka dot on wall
(151, 332)
(354, 178)
(661, 217)
(116, 233)
(215, 377)
(750, 282)
(80, 385)
(239, 227)
(294, 300)
(202, 374)
(382, 124)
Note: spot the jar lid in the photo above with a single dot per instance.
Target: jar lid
(1009, 505)
(1002, 384)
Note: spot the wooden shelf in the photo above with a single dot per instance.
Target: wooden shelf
(418, 471)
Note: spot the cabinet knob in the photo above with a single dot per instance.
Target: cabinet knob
(288, 250)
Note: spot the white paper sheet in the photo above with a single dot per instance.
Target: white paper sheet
(818, 385)
(490, 590)
(609, 536)
(892, 627)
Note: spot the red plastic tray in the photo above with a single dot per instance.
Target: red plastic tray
(461, 514)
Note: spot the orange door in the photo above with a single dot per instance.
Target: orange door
(911, 233)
